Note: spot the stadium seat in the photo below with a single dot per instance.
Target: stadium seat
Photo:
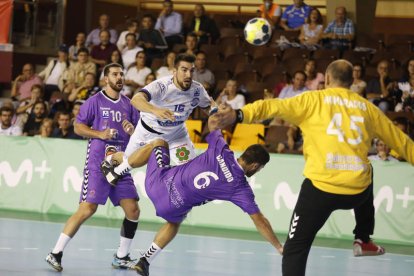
(274, 136)
(194, 128)
(245, 135)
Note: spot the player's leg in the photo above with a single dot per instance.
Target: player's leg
(85, 211)
(365, 223)
(128, 229)
(310, 214)
(166, 234)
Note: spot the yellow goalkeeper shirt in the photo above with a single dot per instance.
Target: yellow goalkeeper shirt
(338, 126)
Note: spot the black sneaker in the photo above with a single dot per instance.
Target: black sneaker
(55, 260)
(108, 171)
(142, 267)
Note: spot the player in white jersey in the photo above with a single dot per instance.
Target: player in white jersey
(165, 105)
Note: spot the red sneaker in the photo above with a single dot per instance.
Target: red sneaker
(367, 249)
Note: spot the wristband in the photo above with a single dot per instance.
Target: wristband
(213, 110)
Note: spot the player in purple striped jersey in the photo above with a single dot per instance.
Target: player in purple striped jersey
(215, 174)
(108, 120)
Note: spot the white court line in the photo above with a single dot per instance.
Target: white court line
(328, 257)
(246, 253)
(5, 248)
(85, 249)
(167, 250)
(409, 261)
(383, 259)
(272, 254)
(219, 252)
(110, 249)
(30, 248)
(193, 251)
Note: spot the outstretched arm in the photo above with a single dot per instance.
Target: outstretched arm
(265, 229)
(140, 102)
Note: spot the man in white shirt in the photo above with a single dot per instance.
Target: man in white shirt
(6, 126)
(383, 152)
(130, 51)
(170, 23)
(165, 105)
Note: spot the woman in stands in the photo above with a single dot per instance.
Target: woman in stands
(229, 95)
(313, 78)
(311, 32)
(167, 70)
(359, 84)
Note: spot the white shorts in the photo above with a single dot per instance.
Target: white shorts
(182, 149)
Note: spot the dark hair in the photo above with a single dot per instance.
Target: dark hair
(109, 66)
(6, 109)
(131, 34)
(341, 72)
(148, 15)
(130, 22)
(406, 74)
(256, 154)
(183, 57)
(362, 68)
(300, 72)
(191, 35)
(401, 121)
(83, 50)
(319, 20)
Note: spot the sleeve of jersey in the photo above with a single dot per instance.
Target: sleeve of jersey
(153, 90)
(86, 114)
(134, 116)
(244, 198)
(205, 98)
(293, 110)
(392, 136)
(216, 141)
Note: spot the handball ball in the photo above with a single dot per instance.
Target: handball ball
(257, 31)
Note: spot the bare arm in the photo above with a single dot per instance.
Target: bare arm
(140, 102)
(85, 131)
(284, 25)
(265, 229)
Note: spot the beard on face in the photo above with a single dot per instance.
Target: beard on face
(185, 84)
(117, 86)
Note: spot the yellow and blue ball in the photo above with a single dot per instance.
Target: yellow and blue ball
(257, 31)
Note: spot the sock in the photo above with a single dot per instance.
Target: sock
(152, 252)
(124, 167)
(61, 243)
(109, 159)
(127, 234)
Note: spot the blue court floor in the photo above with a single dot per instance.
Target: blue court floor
(25, 243)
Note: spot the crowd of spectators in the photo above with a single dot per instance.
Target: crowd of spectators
(45, 104)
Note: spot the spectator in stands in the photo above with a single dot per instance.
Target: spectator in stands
(115, 58)
(101, 54)
(311, 32)
(130, 51)
(408, 70)
(132, 28)
(75, 110)
(32, 125)
(46, 128)
(340, 33)
(297, 87)
(230, 96)
(378, 89)
(136, 74)
(313, 78)
(270, 11)
(6, 126)
(151, 40)
(383, 152)
(22, 85)
(85, 90)
(170, 23)
(150, 78)
(94, 37)
(203, 26)
(201, 73)
(80, 43)
(64, 128)
(25, 107)
(55, 72)
(191, 44)
(407, 96)
(78, 70)
(168, 69)
(359, 84)
(287, 79)
(295, 16)
(294, 141)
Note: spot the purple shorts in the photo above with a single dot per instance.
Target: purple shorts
(162, 191)
(96, 189)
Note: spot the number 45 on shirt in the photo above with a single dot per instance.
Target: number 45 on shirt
(335, 128)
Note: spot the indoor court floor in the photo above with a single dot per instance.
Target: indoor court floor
(25, 243)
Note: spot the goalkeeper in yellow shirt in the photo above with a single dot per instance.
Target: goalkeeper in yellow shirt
(338, 126)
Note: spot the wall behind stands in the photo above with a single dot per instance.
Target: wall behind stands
(45, 175)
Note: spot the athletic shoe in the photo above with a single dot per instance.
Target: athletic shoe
(367, 248)
(142, 267)
(55, 260)
(108, 171)
(124, 263)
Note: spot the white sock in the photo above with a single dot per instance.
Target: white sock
(109, 158)
(124, 246)
(61, 243)
(152, 252)
(124, 167)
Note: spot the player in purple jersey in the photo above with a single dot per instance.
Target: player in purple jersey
(108, 120)
(215, 174)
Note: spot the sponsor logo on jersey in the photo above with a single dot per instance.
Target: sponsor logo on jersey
(162, 87)
(169, 123)
(194, 102)
(105, 113)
